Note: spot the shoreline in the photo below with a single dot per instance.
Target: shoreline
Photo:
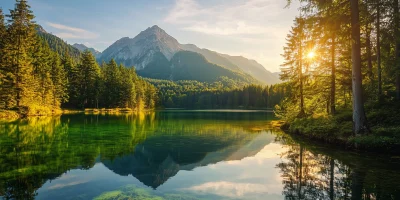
(13, 115)
(337, 136)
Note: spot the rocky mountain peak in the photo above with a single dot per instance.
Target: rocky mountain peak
(82, 48)
(40, 29)
(156, 34)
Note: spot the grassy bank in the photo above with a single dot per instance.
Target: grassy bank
(384, 122)
(8, 115)
(11, 115)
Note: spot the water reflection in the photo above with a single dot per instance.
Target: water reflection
(180, 155)
(311, 171)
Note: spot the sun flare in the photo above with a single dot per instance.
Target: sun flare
(311, 54)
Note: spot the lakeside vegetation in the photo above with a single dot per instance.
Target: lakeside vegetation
(342, 59)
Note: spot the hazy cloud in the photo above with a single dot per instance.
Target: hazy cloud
(253, 17)
(257, 27)
(68, 32)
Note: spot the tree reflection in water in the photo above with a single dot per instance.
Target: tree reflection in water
(310, 171)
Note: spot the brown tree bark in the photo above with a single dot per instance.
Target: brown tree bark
(397, 49)
(359, 120)
(331, 179)
(302, 112)
(378, 48)
(333, 75)
(369, 56)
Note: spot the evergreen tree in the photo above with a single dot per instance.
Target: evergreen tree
(41, 58)
(88, 75)
(59, 81)
(5, 75)
(112, 82)
(20, 41)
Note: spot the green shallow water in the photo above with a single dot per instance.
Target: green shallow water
(182, 155)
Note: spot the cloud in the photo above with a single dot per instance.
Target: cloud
(68, 32)
(252, 28)
(62, 185)
(238, 190)
(253, 17)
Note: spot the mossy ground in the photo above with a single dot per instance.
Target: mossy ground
(383, 121)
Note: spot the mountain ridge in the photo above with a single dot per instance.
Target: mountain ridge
(148, 48)
(82, 48)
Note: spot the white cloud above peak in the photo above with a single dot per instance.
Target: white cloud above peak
(68, 32)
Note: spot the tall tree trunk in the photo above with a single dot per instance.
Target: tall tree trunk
(333, 75)
(302, 112)
(18, 75)
(299, 193)
(369, 56)
(331, 179)
(397, 49)
(359, 119)
(357, 179)
(378, 48)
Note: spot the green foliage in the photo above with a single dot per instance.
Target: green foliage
(326, 86)
(338, 129)
(224, 93)
(124, 89)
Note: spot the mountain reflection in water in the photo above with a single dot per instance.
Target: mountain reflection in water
(180, 155)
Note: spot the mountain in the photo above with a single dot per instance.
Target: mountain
(211, 56)
(251, 67)
(82, 48)
(188, 65)
(277, 75)
(57, 44)
(155, 54)
(154, 165)
(142, 49)
(254, 68)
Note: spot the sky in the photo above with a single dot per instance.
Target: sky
(255, 29)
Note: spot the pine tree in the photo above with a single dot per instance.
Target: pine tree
(292, 69)
(72, 78)
(21, 37)
(112, 83)
(88, 78)
(59, 81)
(5, 79)
(41, 69)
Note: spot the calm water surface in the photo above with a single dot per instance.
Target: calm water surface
(181, 155)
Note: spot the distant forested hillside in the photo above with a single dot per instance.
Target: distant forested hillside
(58, 45)
(221, 94)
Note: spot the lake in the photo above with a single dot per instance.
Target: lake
(182, 155)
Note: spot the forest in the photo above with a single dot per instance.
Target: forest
(222, 94)
(342, 59)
